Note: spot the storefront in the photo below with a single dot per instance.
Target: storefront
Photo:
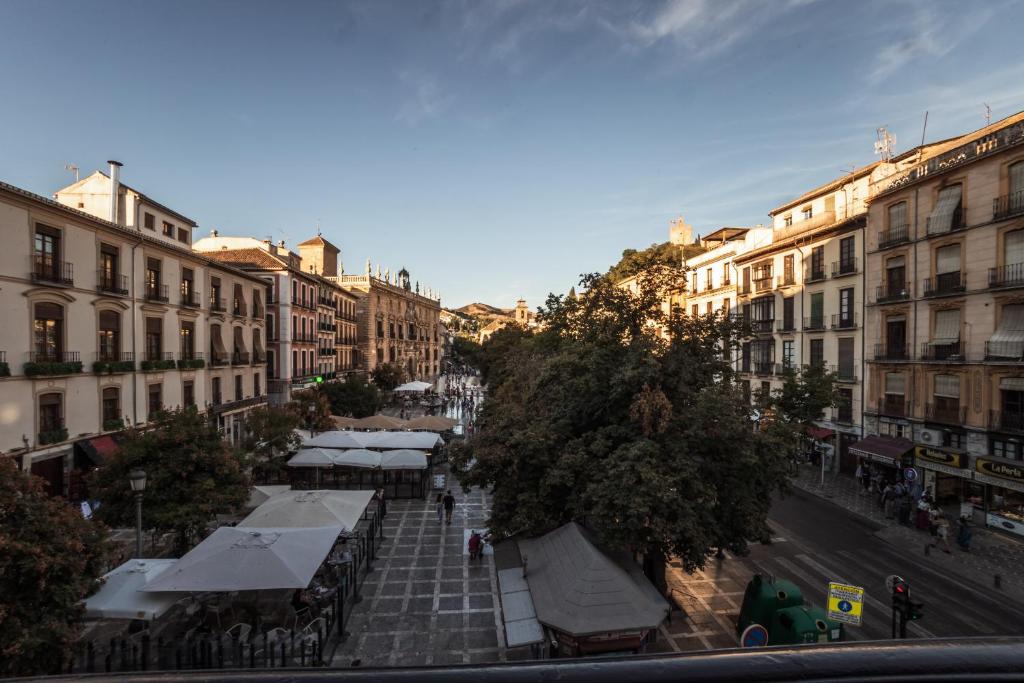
(888, 453)
(944, 474)
(1004, 493)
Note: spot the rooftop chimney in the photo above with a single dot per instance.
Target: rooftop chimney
(281, 244)
(214, 233)
(115, 188)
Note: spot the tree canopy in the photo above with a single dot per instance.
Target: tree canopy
(192, 475)
(628, 419)
(269, 434)
(664, 254)
(353, 398)
(51, 559)
(387, 376)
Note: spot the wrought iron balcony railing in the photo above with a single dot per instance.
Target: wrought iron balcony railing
(191, 298)
(1010, 275)
(844, 322)
(886, 352)
(945, 414)
(896, 234)
(951, 352)
(111, 283)
(814, 323)
(1008, 206)
(844, 267)
(892, 292)
(156, 292)
(45, 268)
(945, 284)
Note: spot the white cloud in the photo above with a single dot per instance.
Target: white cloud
(427, 99)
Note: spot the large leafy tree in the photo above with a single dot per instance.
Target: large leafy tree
(387, 376)
(270, 433)
(313, 409)
(626, 417)
(665, 254)
(353, 398)
(192, 473)
(497, 353)
(51, 559)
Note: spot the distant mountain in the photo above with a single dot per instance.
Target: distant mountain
(479, 309)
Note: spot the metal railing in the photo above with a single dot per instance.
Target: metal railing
(763, 284)
(892, 292)
(814, 275)
(844, 375)
(218, 358)
(949, 415)
(894, 407)
(787, 280)
(784, 326)
(191, 298)
(945, 283)
(844, 322)
(54, 356)
(159, 355)
(48, 269)
(887, 352)
(189, 354)
(111, 283)
(1006, 420)
(844, 267)
(896, 234)
(156, 292)
(115, 356)
(931, 351)
(240, 358)
(238, 308)
(814, 323)
(762, 326)
(217, 304)
(765, 367)
(1010, 275)
(957, 221)
(1008, 206)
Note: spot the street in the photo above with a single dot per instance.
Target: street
(815, 542)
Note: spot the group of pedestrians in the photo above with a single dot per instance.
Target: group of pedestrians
(898, 498)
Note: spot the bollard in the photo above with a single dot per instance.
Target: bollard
(997, 580)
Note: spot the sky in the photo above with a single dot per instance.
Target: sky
(496, 149)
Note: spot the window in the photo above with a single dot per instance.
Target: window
(215, 300)
(847, 259)
(238, 306)
(46, 259)
(188, 393)
(295, 363)
(745, 388)
(788, 276)
(895, 337)
(238, 387)
(763, 311)
(154, 338)
(947, 214)
(787, 220)
(898, 218)
(149, 220)
(946, 334)
(215, 391)
(746, 279)
(787, 313)
(1016, 177)
(846, 307)
(51, 417)
(1005, 448)
(788, 353)
(951, 439)
(895, 278)
(187, 346)
(726, 277)
(807, 212)
(110, 336)
(48, 332)
(218, 354)
(709, 279)
(183, 235)
(946, 406)
(168, 229)
(895, 390)
(709, 311)
(844, 406)
(256, 385)
(1008, 339)
(817, 320)
(765, 393)
(156, 400)
(817, 263)
(817, 352)
(695, 310)
(947, 263)
(111, 408)
(845, 370)
(725, 306)
(108, 269)
(152, 278)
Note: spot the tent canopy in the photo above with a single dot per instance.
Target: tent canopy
(121, 595)
(414, 386)
(312, 457)
(431, 423)
(344, 422)
(249, 558)
(333, 439)
(260, 494)
(310, 509)
(379, 422)
(356, 457)
(421, 441)
(403, 459)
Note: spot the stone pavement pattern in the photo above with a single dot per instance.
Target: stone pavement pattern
(424, 603)
(991, 553)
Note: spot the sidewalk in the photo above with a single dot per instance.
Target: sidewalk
(991, 553)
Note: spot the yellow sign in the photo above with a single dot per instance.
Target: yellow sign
(845, 603)
(941, 457)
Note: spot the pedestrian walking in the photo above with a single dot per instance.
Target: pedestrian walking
(963, 533)
(439, 508)
(889, 500)
(449, 507)
(865, 478)
(941, 533)
(924, 507)
(476, 543)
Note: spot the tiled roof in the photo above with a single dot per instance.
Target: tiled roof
(318, 241)
(247, 257)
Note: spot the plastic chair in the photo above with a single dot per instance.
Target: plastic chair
(240, 631)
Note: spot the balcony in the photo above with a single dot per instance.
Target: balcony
(762, 326)
(957, 221)
(844, 322)
(259, 357)
(765, 368)
(191, 298)
(1006, 421)
(240, 358)
(190, 360)
(844, 268)
(885, 352)
(1006, 276)
(53, 363)
(845, 375)
(814, 275)
(53, 431)
(218, 358)
(158, 361)
(238, 308)
(895, 235)
(894, 406)
(111, 362)
(817, 221)
(325, 351)
(111, 283)
(784, 326)
(782, 368)
(1008, 206)
(743, 289)
(945, 284)
(787, 280)
(156, 292)
(217, 304)
(258, 312)
(1004, 351)
(890, 292)
(942, 352)
(945, 414)
(325, 327)
(47, 269)
(272, 336)
(304, 338)
(763, 284)
(814, 324)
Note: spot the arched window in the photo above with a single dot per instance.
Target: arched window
(110, 336)
(48, 332)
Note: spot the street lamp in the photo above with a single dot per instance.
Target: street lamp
(137, 479)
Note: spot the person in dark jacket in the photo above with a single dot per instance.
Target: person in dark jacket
(449, 507)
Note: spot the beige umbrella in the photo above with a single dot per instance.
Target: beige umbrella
(344, 422)
(379, 422)
(431, 423)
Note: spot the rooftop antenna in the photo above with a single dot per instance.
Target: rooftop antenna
(73, 169)
(988, 114)
(318, 227)
(884, 143)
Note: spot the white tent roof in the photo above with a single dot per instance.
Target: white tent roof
(248, 558)
(422, 441)
(121, 595)
(260, 494)
(310, 509)
(332, 439)
(414, 386)
(312, 457)
(356, 457)
(403, 459)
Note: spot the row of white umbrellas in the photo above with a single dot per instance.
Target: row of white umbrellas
(401, 459)
(389, 440)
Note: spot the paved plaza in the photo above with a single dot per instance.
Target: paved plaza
(424, 603)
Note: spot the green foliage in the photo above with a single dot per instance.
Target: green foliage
(497, 353)
(153, 365)
(645, 437)
(664, 254)
(312, 408)
(804, 395)
(270, 434)
(192, 476)
(353, 398)
(53, 436)
(52, 368)
(191, 364)
(109, 367)
(467, 352)
(113, 424)
(50, 560)
(387, 376)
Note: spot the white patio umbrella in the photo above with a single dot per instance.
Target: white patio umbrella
(121, 595)
(331, 440)
(260, 494)
(421, 441)
(249, 559)
(403, 459)
(312, 457)
(414, 386)
(310, 509)
(356, 457)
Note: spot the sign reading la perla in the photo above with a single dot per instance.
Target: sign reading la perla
(1000, 468)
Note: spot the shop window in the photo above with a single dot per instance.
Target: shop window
(1005, 448)
(955, 440)
(844, 406)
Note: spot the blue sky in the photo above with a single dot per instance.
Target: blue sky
(495, 149)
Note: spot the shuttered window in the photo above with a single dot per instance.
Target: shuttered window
(947, 259)
(1017, 178)
(947, 327)
(897, 215)
(895, 383)
(946, 205)
(1014, 247)
(947, 386)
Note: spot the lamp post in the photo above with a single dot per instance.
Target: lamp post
(137, 479)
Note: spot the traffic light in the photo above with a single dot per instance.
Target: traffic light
(319, 379)
(904, 606)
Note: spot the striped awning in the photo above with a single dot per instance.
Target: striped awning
(941, 219)
(947, 327)
(947, 386)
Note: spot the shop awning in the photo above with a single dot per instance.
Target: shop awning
(887, 450)
(819, 433)
(98, 449)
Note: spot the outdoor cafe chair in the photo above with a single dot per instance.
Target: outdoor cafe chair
(241, 631)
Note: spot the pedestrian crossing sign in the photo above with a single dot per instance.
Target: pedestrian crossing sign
(845, 603)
